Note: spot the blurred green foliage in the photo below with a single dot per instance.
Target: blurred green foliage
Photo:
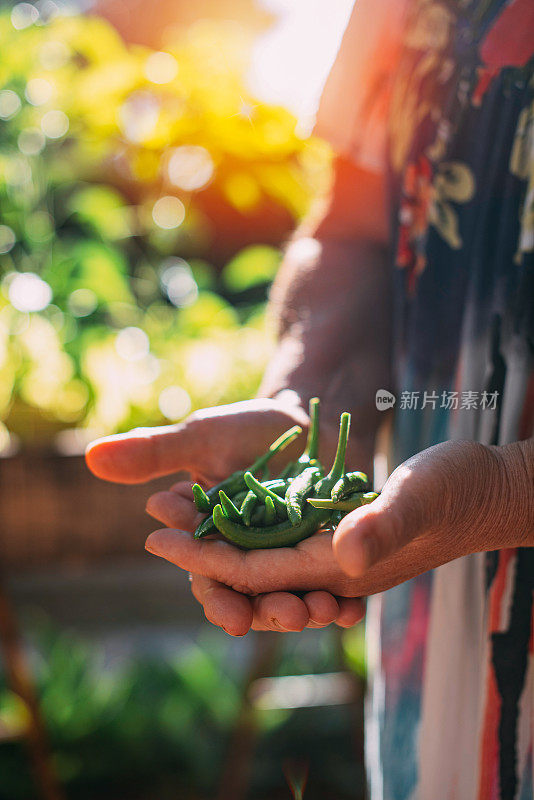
(161, 726)
(121, 169)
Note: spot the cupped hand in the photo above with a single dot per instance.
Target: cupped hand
(451, 500)
(210, 445)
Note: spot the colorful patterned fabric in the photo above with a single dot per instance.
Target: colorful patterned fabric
(445, 107)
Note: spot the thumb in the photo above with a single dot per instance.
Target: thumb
(452, 492)
(142, 454)
(415, 499)
(373, 532)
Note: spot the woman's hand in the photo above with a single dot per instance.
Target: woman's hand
(451, 500)
(210, 445)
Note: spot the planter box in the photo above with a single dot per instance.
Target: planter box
(53, 511)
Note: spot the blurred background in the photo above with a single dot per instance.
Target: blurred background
(154, 156)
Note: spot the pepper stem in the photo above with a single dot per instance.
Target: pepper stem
(338, 467)
(312, 443)
(277, 446)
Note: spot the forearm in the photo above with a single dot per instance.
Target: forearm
(331, 306)
(331, 300)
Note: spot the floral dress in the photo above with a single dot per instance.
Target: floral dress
(439, 96)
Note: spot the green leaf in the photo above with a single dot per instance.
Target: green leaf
(251, 266)
(103, 210)
(88, 264)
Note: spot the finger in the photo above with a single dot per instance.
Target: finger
(351, 611)
(223, 607)
(174, 510)
(323, 608)
(184, 489)
(213, 559)
(373, 532)
(143, 454)
(279, 611)
(309, 564)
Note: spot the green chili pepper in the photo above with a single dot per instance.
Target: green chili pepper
(278, 486)
(247, 507)
(270, 512)
(312, 443)
(235, 482)
(229, 508)
(349, 483)
(206, 527)
(238, 498)
(258, 517)
(277, 446)
(239, 518)
(324, 486)
(282, 534)
(368, 497)
(309, 453)
(349, 504)
(297, 491)
(262, 492)
(251, 499)
(201, 499)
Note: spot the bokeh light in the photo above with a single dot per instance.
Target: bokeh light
(138, 116)
(9, 103)
(7, 238)
(190, 167)
(39, 91)
(174, 402)
(28, 292)
(55, 124)
(168, 212)
(31, 141)
(132, 344)
(23, 15)
(82, 302)
(178, 282)
(161, 67)
(48, 9)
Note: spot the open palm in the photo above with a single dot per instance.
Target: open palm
(209, 446)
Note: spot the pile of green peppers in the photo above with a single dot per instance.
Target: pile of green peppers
(254, 511)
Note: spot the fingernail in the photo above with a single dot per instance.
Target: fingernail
(149, 545)
(352, 554)
(234, 634)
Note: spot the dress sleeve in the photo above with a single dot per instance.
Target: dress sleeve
(353, 108)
